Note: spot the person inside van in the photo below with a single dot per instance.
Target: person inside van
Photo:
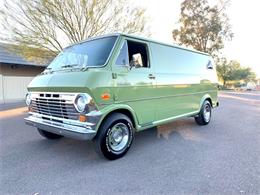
(136, 61)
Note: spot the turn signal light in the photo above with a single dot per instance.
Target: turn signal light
(82, 118)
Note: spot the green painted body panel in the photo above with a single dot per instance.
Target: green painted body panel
(135, 89)
(93, 81)
(182, 82)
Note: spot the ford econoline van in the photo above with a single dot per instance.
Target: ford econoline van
(109, 87)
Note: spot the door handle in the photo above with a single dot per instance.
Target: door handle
(151, 76)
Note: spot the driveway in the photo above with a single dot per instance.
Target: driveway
(177, 158)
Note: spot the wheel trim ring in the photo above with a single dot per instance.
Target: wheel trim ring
(207, 113)
(116, 143)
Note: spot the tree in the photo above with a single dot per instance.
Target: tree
(245, 74)
(232, 71)
(203, 27)
(225, 71)
(54, 24)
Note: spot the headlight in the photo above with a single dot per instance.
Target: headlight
(81, 101)
(28, 99)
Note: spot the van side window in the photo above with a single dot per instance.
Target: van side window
(122, 59)
(138, 56)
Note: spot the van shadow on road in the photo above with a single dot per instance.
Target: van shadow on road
(70, 150)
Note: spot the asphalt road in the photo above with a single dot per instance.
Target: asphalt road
(178, 158)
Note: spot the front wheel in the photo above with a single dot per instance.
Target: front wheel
(203, 118)
(115, 136)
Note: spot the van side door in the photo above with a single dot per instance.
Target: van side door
(134, 83)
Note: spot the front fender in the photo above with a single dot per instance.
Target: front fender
(206, 96)
(113, 107)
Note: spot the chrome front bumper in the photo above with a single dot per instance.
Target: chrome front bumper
(66, 127)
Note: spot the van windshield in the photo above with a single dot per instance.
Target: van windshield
(87, 54)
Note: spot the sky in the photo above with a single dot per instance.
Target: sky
(244, 18)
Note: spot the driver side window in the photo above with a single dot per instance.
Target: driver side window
(133, 54)
(138, 54)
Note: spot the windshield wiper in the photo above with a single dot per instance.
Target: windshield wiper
(47, 70)
(69, 65)
(84, 68)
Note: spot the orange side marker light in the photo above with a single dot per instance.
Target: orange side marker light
(105, 96)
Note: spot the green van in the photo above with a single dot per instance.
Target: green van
(109, 87)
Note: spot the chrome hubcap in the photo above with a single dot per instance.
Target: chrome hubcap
(207, 113)
(118, 136)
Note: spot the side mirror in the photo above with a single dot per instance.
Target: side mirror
(209, 65)
(136, 61)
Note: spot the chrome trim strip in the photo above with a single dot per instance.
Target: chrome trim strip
(53, 102)
(65, 121)
(53, 111)
(54, 108)
(69, 97)
(175, 117)
(167, 120)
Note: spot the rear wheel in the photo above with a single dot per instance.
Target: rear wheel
(115, 136)
(49, 135)
(203, 118)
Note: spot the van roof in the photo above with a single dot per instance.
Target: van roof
(161, 43)
(143, 39)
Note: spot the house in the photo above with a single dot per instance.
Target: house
(16, 72)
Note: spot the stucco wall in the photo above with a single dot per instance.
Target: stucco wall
(14, 80)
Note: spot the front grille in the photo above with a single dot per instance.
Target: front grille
(55, 105)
